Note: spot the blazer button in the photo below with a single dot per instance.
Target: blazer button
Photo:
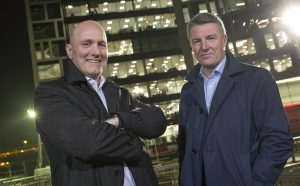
(194, 151)
(139, 118)
(117, 172)
(94, 121)
(201, 110)
(130, 142)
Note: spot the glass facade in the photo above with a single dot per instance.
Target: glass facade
(100, 7)
(146, 66)
(282, 63)
(49, 71)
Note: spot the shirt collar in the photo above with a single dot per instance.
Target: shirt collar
(94, 82)
(219, 69)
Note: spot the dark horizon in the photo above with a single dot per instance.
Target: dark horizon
(17, 80)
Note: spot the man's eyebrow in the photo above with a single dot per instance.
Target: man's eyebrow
(86, 40)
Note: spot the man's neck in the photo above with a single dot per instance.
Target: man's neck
(207, 71)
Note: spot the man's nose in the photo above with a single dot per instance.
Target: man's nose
(204, 45)
(95, 50)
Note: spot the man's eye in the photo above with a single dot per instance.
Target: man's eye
(86, 44)
(195, 41)
(211, 38)
(102, 45)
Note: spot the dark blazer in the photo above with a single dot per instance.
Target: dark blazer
(244, 140)
(82, 148)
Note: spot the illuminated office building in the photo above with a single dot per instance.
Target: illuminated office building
(149, 53)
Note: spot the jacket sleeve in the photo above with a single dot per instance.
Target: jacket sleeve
(181, 138)
(274, 144)
(62, 123)
(149, 122)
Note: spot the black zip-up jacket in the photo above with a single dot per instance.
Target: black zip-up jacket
(83, 149)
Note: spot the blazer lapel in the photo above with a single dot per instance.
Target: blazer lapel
(223, 89)
(197, 92)
(197, 88)
(225, 85)
(111, 93)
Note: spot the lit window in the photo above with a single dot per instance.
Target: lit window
(169, 3)
(263, 23)
(282, 63)
(264, 63)
(282, 38)
(202, 8)
(269, 41)
(231, 47)
(240, 4)
(49, 71)
(245, 47)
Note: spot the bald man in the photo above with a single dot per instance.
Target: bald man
(91, 127)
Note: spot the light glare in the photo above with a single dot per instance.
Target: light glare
(290, 17)
(31, 113)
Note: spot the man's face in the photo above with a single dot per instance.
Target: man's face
(208, 44)
(88, 49)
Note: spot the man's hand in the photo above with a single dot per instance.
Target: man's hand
(113, 121)
(136, 109)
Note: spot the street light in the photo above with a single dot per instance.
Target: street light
(25, 143)
(290, 18)
(32, 114)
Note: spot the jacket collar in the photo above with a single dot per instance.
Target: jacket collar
(232, 68)
(227, 81)
(73, 74)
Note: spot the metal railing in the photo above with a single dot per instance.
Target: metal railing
(26, 181)
(167, 174)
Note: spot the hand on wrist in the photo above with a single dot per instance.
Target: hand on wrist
(114, 120)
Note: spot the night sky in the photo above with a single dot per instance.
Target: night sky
(17, 87)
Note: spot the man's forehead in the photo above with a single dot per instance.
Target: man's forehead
(88, 31)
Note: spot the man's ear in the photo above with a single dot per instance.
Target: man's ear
(69, 50)
(225, 40)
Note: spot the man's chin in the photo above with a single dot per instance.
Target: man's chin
(94, 75)
(209, 66)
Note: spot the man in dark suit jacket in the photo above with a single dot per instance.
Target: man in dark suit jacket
(233, 130)
(92, 129)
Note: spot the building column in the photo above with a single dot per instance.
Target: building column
(181, 26)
